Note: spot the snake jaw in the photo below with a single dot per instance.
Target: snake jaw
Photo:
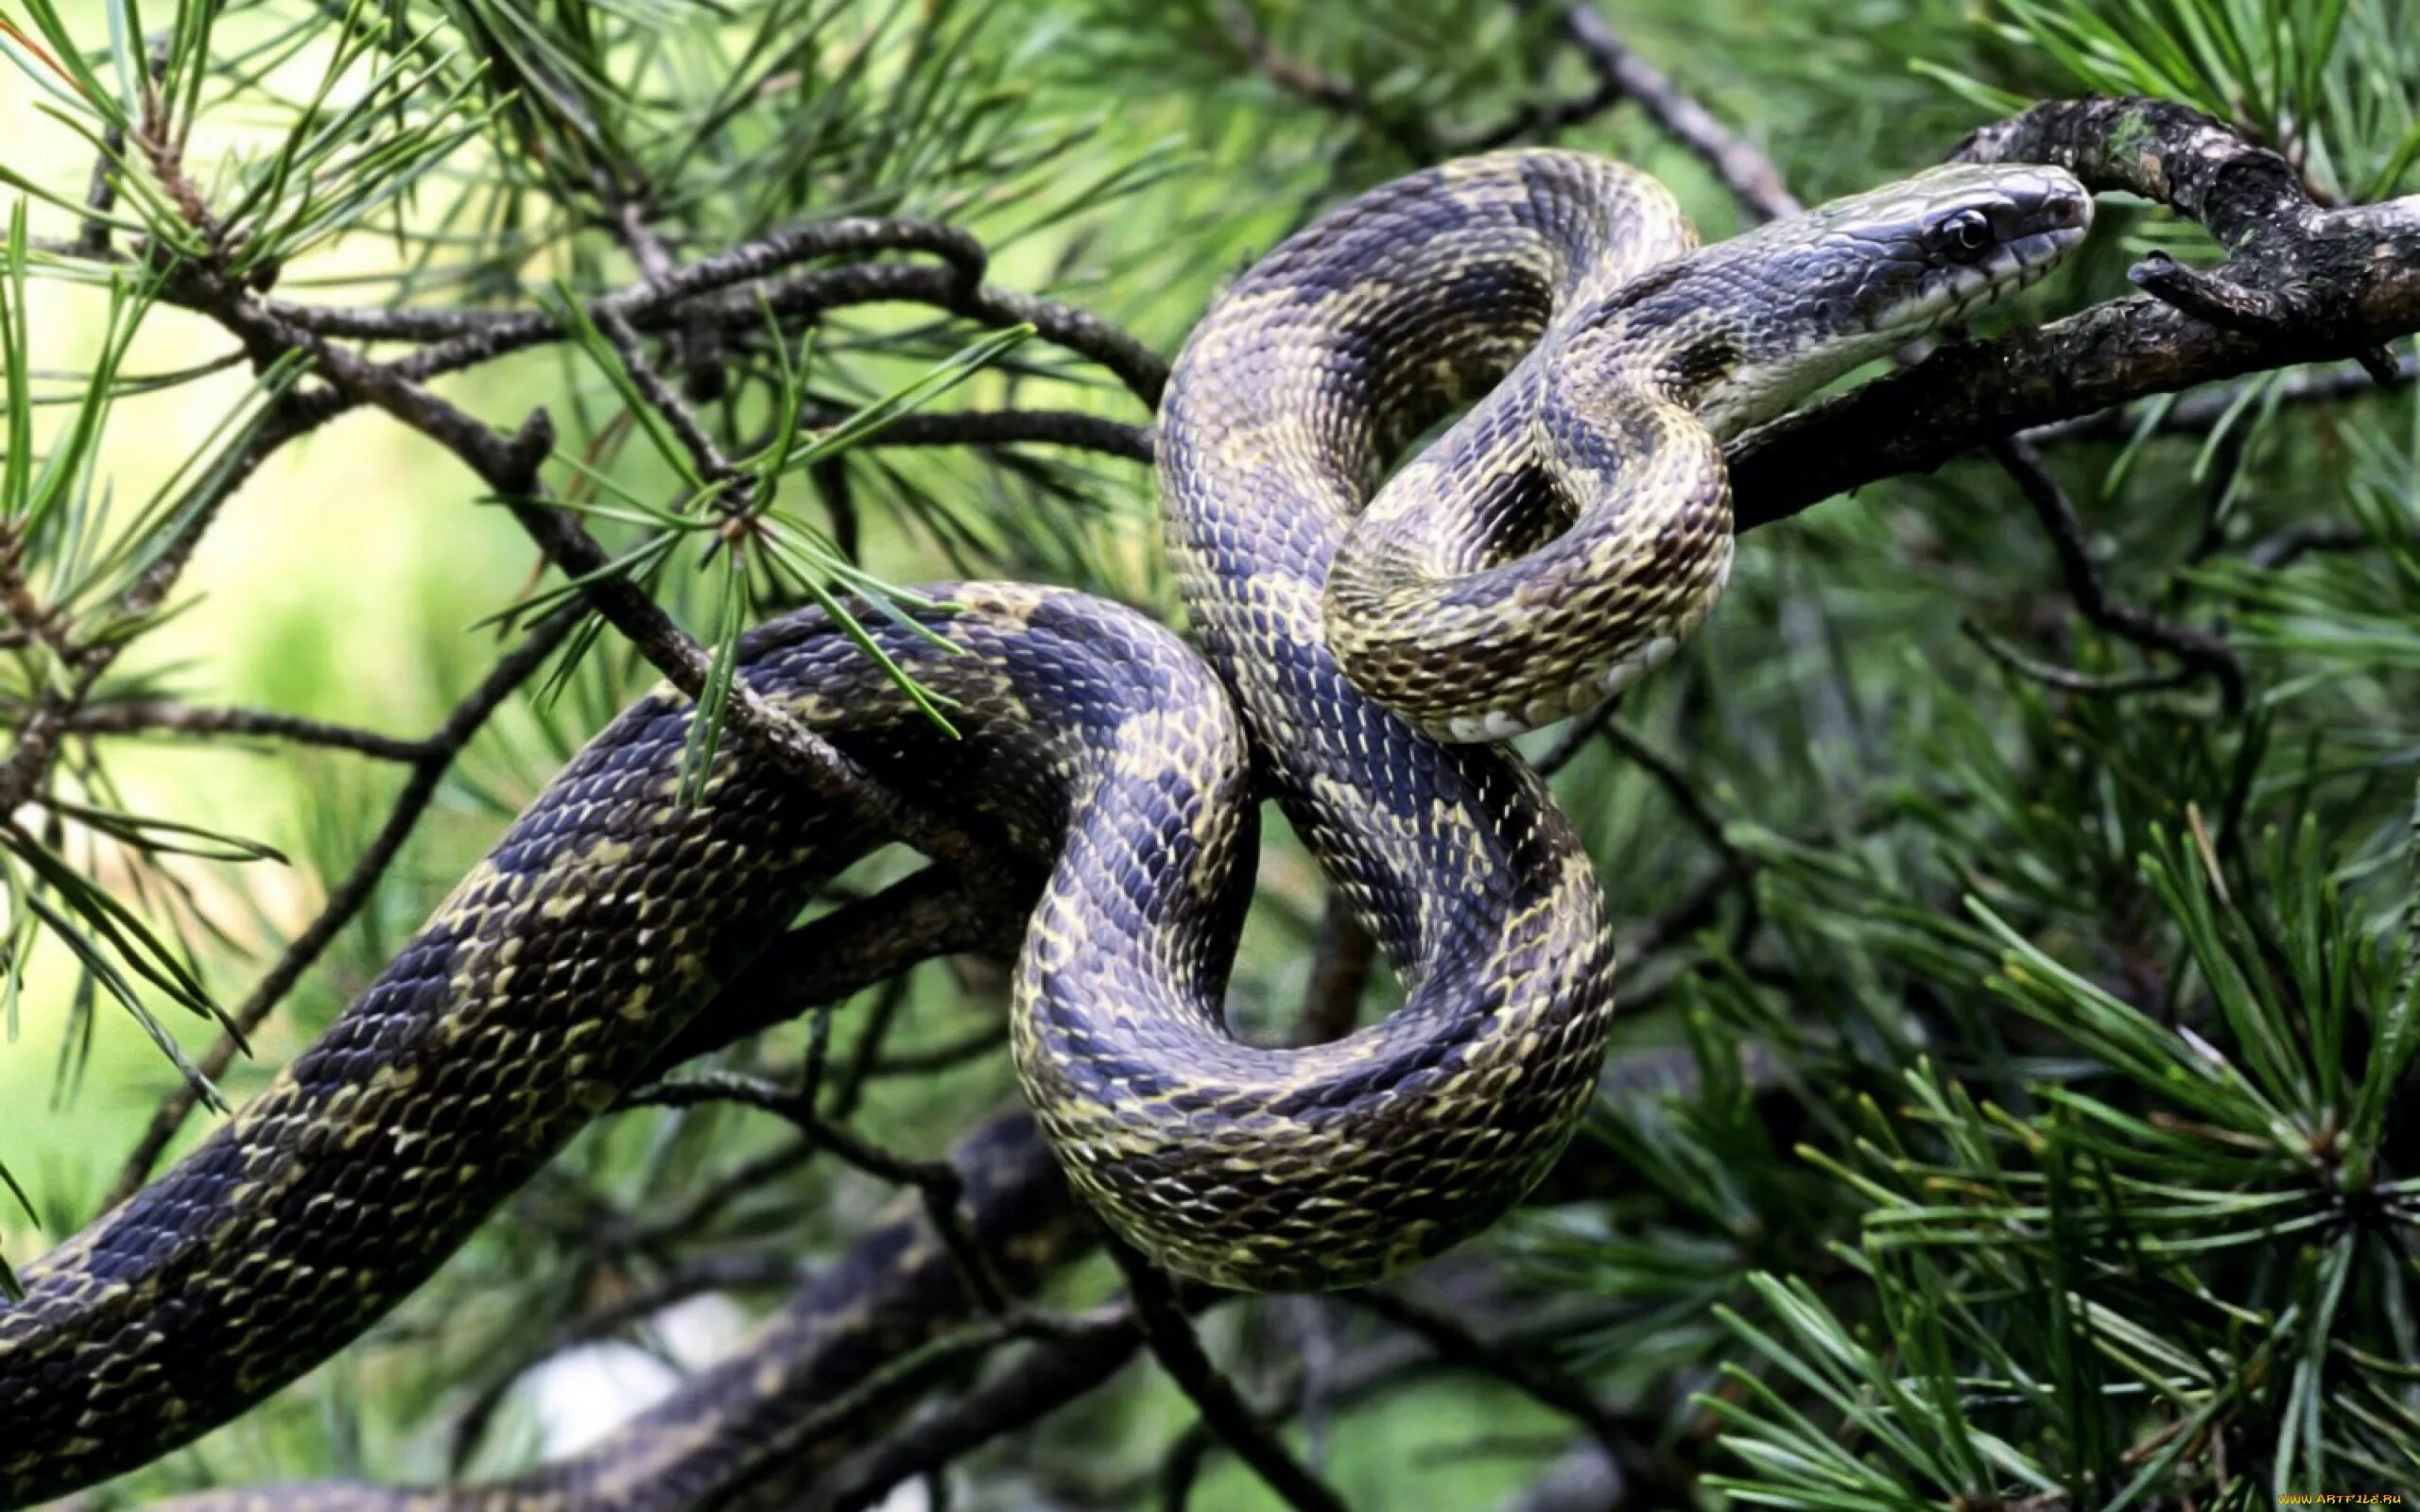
(1821, 294)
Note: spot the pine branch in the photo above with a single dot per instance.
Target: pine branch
(1223, 1410)
(2199, 650)
(2359, 265)
(509, 465)
(1746, 171)
(155, 716)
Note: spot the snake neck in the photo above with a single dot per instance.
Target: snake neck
(1564, 557)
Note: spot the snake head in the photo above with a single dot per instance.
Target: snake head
(1794, 305)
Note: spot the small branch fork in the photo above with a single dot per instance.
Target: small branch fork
(935, 1182)
(2202, 652)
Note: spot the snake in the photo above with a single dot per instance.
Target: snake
(1368, 634)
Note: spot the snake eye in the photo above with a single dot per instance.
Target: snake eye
(1964, 236)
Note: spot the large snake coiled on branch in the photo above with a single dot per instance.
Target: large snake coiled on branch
(1565, 535)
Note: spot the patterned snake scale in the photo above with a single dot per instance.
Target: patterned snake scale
(1563, 535)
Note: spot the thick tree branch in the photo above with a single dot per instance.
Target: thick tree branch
(1053, 1373)
(2357, 270)
(848, 950)
(2203, 410)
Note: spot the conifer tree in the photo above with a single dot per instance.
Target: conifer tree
(2015, 879)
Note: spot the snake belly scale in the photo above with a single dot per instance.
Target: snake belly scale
(1361, 638)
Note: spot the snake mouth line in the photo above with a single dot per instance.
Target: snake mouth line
(2019, 265)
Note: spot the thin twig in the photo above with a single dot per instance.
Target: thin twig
(460, 339)
(2067, 680)
(1745, 170)
(1292, 75)
(935, 1181)
(1544, 118)
(1530, 1371)
(160, 716)
(687, 428)
(1574, 737)
(2198, 649)
(2289, 544)
(652, 302)
(1003, 427)
(923, 1061)
(1180, 1353)
(1693, 807)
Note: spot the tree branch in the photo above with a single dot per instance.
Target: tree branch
(847, 951)
(1530, 1371)
(2360, 265)
(160, 716)
(459, 339)
(1745, 170)
(1180, 1353)
(2202, 411)
(508, 465)
(935, 1182)
(1053, 1373)
(2198, 649)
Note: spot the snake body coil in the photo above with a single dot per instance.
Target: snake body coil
(1566, 533)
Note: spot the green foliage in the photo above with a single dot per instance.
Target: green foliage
(61, 548)
(2334, 85)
